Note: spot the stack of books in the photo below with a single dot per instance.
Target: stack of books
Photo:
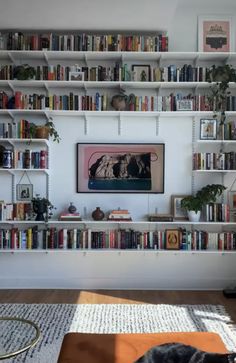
(160, 218)
(119, 215)
(70, 217)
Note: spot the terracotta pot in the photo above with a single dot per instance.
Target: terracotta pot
(42, 132)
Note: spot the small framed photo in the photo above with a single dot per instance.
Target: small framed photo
(141, 73)
(176, 210)
(172, 239)
(232, 200)
(24, 192)
(76, 76)
(184, 105)
(215, 33)
(208, 129)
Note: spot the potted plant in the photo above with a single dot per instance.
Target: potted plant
(219, 91)
(193, 204)
(24, 72)
(44, 131)
(42, 207)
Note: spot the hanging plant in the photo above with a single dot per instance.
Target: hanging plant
(219, 91)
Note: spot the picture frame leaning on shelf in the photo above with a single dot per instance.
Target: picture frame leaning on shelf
(215, 33)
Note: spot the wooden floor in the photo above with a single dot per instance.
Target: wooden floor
(119, 297)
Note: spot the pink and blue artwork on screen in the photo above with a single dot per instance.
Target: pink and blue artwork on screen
(123, 171)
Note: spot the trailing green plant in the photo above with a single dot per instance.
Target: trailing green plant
(24, 72)
(206, 195)
(221, 76)
(52, 130)
(49, 125)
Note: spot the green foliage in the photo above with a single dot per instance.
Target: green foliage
(207, 194)
(47, 205)
(24, 72)
(219, 91)
(51, 129)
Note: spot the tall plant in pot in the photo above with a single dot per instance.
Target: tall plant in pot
(221, 76)
(193, 204)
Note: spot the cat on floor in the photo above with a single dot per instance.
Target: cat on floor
(181, 353)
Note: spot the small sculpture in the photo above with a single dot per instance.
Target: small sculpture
(72, 209)
(120, 102)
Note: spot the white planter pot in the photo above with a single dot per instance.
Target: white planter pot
(193, 216)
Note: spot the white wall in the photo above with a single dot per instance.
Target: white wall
(179, 18)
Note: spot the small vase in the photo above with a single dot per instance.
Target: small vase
(72, 209)
(193, 216)
(98, 214)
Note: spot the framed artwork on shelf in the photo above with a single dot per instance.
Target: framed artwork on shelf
(184, 105)
(232, 200)
(208, 129)
(24, 192)
(141, 73)
(215, 33)
(177, 212)
(120, 168)
(76, 76)
(172, 239)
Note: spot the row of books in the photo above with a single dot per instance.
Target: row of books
(29, 159)
(85, 42)
(214, 161)
(20, 130)
(100, 102)
(217, 212)
(15, 211)
(33, 238)
(119, 72)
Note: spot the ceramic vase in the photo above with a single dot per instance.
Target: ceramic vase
(98, 214)
(72, 209)
(193, 216)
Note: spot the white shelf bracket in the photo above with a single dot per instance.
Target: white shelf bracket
(85, 124)
(10, 114)
(119, 124)
(13, 184)
(11, 86)
(193, 150)
(157, 125)
(86, 59)
(46, 87)
(45, 56)
(11, 57)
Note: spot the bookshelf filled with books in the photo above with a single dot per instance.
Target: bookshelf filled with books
(81, 81)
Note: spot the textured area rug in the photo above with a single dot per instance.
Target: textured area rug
(55, 320)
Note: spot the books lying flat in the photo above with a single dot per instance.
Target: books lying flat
(70, 217)
(119, 215)
(160, 218)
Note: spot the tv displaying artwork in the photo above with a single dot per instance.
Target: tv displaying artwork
(120, 168)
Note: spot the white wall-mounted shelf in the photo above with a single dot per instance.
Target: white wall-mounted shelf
(47, 56)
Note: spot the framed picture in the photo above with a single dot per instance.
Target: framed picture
(24, 192)
(215, 33)
(184, 105)
(232, 200)
(208, 129)
(120, 168)
(76, 76)
(172, 239)
(176, 210)
(141, 73)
